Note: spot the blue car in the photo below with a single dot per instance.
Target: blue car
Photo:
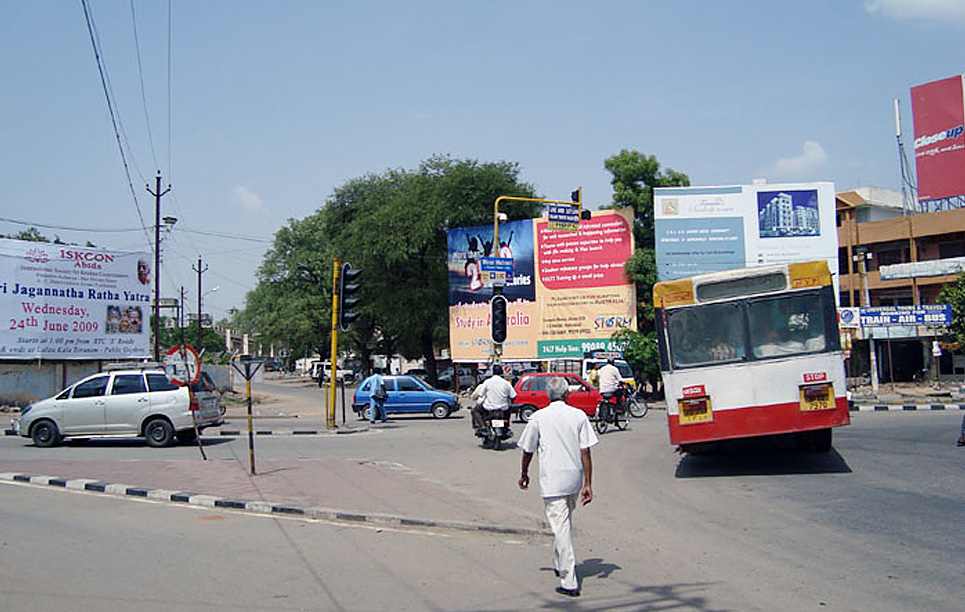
(406, 395)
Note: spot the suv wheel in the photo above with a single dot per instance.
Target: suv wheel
(44, 434)
(159, 432)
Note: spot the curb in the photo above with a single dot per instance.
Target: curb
(904, 407)
(264, 508)
(262, 432)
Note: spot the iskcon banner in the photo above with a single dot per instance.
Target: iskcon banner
(68, 302)
(567, 291)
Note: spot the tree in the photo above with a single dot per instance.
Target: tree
(635, 176)
(392, 226)
(291, 305)
(954, 294)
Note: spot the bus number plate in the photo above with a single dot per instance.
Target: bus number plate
(695, 410)
(816, 397)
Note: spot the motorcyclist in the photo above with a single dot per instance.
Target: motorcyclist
(494, 393)
(610, 380)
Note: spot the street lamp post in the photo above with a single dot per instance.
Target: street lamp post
(200, 295)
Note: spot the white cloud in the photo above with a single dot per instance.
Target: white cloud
(929, 10)
(801, 167)
(251, 201)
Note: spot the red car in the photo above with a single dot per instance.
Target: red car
(531, 393)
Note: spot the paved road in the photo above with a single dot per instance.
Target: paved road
(871, 526)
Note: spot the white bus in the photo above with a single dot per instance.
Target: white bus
(752, 352)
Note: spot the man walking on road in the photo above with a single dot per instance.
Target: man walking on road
(377, 397)
(563, 436)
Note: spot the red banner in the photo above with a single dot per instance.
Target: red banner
(939, 114)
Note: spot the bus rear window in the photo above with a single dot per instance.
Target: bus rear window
(706, 334)
(787, 325)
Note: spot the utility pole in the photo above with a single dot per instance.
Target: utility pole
(200, 270)
(157, 193)
(181, 316)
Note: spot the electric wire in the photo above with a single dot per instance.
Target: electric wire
(110, 107)
(140, 75)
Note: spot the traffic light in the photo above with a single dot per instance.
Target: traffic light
(347, 290)
(499, 308)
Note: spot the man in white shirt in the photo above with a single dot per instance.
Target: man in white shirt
(610, 379)
(563, 436)
(496, 393)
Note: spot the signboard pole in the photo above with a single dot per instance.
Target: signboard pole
(249, 373)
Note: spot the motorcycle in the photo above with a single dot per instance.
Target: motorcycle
(613, 410)
(496, 429)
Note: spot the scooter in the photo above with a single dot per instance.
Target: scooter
(496, 430)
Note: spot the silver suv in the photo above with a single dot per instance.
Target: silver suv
(123, 402)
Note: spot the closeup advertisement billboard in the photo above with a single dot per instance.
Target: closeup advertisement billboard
(709, 229)
(64, 302)
(938, 109)
(567, 292)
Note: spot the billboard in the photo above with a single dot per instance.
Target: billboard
(938, 111)
(67, 302)
(708, 229)
(567, 292)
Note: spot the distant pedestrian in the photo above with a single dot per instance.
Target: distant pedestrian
(377, 396)
(593, 376)
(563, 436)
(961, 438)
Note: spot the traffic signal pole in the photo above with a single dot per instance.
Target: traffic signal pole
(330, 412)
(498, 305)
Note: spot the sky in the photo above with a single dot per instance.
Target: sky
(254, 112)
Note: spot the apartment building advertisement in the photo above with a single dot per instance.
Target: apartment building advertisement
(698, 230)
(67, 302)
(938, 110)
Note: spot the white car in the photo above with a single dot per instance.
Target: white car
(119, 403)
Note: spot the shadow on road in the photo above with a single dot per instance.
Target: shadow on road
(759, 458)
(136, 442)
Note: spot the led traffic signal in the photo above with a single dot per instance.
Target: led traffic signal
(347, 298)
(499, 308)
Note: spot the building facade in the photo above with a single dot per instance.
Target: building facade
(874, 232)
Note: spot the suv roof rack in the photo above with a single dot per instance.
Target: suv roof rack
(133, 365)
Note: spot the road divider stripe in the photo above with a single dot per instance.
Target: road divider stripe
(268, 508)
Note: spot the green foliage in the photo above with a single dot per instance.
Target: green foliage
(640, 350)
(954, 294)
(393, 227)
(634, 177)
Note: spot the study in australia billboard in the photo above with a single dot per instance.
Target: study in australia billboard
(567, 290)
(67, 302)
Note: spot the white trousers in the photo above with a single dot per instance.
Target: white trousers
(559, 513)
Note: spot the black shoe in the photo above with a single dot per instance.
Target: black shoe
(557, 572)
(568, 592)
(480, 433)
(961, 440)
